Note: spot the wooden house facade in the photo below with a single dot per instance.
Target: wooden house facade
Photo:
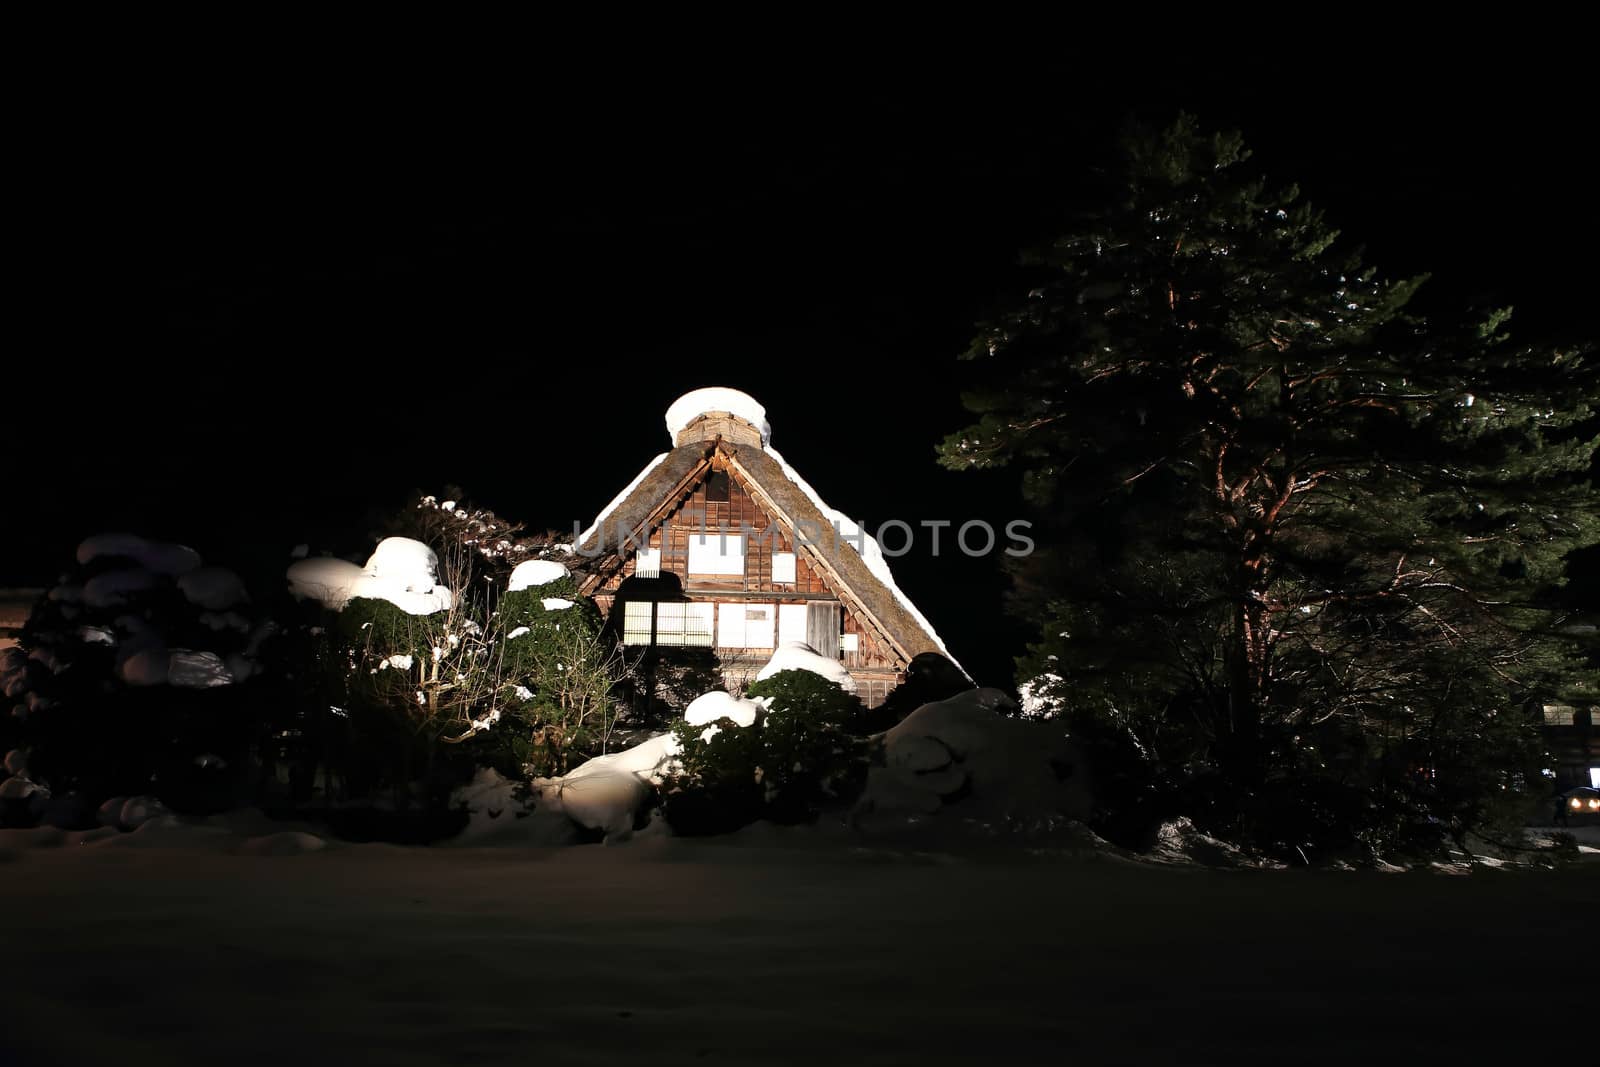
(716, 546)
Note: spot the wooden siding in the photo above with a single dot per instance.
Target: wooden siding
(874, 664)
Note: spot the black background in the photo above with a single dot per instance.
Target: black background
(268, 306)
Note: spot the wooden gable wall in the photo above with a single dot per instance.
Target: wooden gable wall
(874, 663)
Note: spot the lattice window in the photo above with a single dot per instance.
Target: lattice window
(636, 617)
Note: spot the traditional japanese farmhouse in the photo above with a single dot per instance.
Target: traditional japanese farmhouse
(720, 544)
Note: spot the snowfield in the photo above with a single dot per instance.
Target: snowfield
(769, 947)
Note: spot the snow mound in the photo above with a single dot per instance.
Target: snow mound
(707, 709)
(605, 800)
(403, 560)
(648, 760)
(283, 843)
(330, 581)
(158, 556)
(147, 666)
(692, 405)
(112, 588)
(493, 803)
(400, 570)
(20, 788)
(556, 603)
(224, 620)
(137, 811)
(213, 588)
(1179, 841)
(533, 572)
(799, 656)
(608, 792)
(110, 813)
(964, 752)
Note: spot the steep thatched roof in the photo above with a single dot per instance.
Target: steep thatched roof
(629, 516)
(839, 557)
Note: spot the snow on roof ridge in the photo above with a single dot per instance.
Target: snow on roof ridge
(697, 402)
(871, 554)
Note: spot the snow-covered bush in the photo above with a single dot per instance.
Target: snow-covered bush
(797, 757)
(138, 673)
(435, 659)
(565, 668)
(973, 753)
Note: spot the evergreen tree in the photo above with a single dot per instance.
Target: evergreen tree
(1302, 537)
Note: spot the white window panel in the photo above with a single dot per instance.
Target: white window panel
(849, 643)
(647, 564)
(730, 625)
(760, 622)
(746, 625)
(669, 624)
(636, 622)
(683, 624)
(1559, 715)
(791, 622)
(716, 553)
(700, 625)
(783, 568)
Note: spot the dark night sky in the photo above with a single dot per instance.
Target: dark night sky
(271, 311)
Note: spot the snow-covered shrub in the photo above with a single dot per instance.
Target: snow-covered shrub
(797, 757)
(972, 753)
(140, 676)
(565, 668)
(433, 660)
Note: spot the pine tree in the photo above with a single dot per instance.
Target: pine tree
(1303, 537)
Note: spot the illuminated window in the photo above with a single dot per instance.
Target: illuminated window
(783, 566)
(716, 553)
(636, 622)
(647, 564)
(1559, 715)
(791, 622)
(674, 624)
(684, 624)
(746, 625)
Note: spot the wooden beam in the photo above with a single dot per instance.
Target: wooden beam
(709, 592)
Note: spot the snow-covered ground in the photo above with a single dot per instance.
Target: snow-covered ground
(766, 948)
